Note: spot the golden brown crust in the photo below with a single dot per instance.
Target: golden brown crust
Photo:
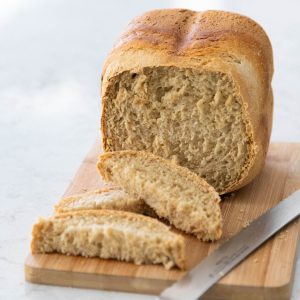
(210, 41)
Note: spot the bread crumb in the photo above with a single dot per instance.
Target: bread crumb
(228, 196)
(282, 235)
(255, 260)
(246, 224)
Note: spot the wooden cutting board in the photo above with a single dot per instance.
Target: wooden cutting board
(266, 274)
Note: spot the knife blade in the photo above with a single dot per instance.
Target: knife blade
(199, 279)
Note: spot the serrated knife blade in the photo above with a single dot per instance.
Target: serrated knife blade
(199, 279)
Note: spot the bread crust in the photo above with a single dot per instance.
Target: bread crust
(215, 41)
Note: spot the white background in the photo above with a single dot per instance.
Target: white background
(51, 56)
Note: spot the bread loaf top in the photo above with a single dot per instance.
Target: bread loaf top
(213, 41)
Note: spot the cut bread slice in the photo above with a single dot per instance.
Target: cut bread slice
(109, 234)
(175, 193)
(107, 198)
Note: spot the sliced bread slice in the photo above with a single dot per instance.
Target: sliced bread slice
(175, 193)
(109, 234)
(107, 198)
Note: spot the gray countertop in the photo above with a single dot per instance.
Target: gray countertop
(51, 56)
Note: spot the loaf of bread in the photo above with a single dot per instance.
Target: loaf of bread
(109, 234)
(193, 87)
(108, 198)
(175, 193)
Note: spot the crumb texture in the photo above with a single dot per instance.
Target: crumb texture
(110, 234)
(194, 118)
(175, 193)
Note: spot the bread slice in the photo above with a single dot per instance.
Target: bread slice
(109, 234)
(175, 193)
(108, 198)
(193, 87)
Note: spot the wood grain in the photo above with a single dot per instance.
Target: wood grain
(266, 274)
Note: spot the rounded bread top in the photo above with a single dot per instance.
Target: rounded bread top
(181, 34)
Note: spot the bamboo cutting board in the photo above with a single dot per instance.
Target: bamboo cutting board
(266, 274)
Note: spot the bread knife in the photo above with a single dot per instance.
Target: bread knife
(199, 279)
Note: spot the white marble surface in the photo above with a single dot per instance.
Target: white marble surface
(51, 55)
